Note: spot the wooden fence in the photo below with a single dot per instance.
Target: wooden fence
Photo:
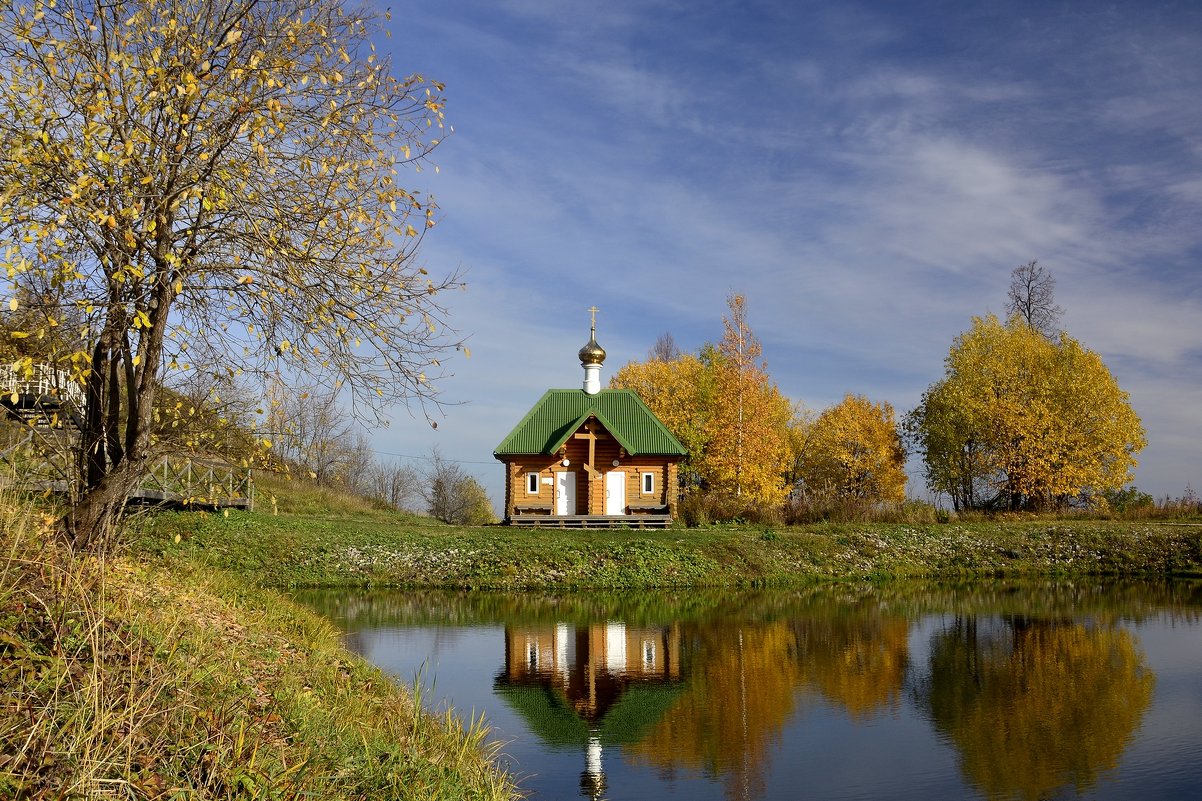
(197, 482)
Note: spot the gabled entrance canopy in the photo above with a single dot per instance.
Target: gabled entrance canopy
(560, 413)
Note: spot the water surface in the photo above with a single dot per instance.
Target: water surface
(994, 691)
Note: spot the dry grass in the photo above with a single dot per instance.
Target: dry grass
(125, 681)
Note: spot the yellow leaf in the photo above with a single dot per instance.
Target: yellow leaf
(12, 304)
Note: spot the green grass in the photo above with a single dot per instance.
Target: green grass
(150, 679)
(279, 494)
(399, 551)
(178, 672)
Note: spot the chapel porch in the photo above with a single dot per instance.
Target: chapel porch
(528, 520)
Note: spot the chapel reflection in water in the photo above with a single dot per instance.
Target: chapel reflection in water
(591, 686)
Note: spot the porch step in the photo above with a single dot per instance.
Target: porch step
(590, 521)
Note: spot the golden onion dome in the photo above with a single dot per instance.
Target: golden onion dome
(592, 353)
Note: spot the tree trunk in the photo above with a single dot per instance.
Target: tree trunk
(91, 522)
(90, 525)
(92, 440)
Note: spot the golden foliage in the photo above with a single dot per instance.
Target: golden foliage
(1049, 706)
(857, 661)
(724, 409)
(748, 442)
(1020, 420)
(853, 451)
(197, 186)
(740, 695)
(678, 392)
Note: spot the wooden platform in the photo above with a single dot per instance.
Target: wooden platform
(155, 497)
(590, 521)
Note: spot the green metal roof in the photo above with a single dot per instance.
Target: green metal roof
(552, 718)
(560, 412)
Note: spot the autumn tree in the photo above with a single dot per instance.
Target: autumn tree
(1036, 706)
(213, 186)
(747, 447)
(853, 452)
(797, 435)
(1019, 421)
(679, 391)
(1032, 297)
(724, 409)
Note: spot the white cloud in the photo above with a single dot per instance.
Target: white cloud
(867, 185)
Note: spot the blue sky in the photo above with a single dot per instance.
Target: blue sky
(866, 174)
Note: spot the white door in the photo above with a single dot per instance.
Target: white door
(565, 493)
(615, 493)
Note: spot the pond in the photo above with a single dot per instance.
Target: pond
(924, 691)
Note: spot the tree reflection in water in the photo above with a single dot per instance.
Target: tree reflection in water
(1036, 705)
(744, 686)
(856, 657)
(739, 695)
(1036, 687)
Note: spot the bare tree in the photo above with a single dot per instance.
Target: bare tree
(311, 433)
(358, 461)
(1032, 296)
(453, 496)
(665, 349)
(395, 484)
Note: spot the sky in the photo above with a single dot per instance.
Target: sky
(866, 174)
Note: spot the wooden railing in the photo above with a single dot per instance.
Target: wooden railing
(43, 382)
(35, 464)
(197, 482)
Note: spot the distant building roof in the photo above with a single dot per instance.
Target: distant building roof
(559, 413)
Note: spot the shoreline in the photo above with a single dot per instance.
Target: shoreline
(248, 686)
(412, 553)
(171, 679)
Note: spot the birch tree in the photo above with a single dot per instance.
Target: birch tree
(213, 185)
(747, 453)
(724, 408)
(1032, 297)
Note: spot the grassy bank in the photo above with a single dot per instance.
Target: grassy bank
(177, 672)
(382, 550)
(147, 679)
